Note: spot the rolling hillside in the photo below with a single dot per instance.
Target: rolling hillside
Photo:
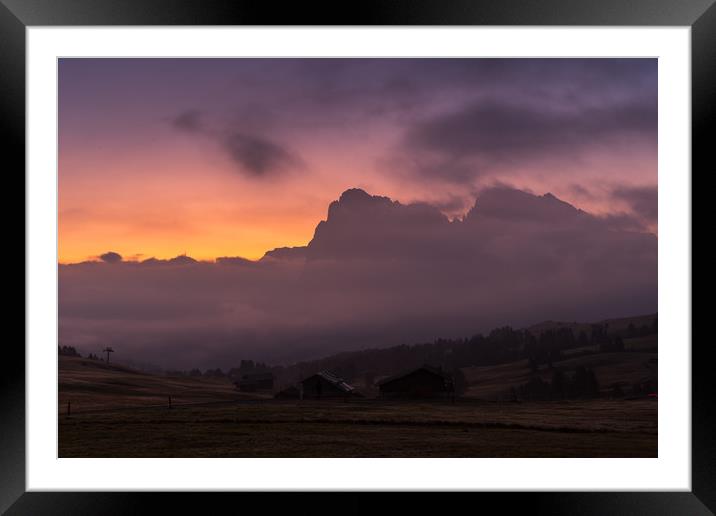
(95, 385)
(494, 382)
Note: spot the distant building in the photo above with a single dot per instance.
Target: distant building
(423, 382)
(325, 385)
(253, 382)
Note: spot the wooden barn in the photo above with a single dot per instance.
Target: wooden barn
(326, 385)
(423, 382)
(253, 382)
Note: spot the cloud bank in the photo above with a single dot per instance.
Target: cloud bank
(480, 135)
(376, 273)
(643, 201)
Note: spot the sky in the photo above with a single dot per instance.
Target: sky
(235, 157)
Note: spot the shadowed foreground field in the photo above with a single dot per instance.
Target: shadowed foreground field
(367, 429)
(120, 412)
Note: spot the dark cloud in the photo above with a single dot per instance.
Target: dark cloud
(254, 155)
(257, 156)
(480, 135)
(235, 260)
(344, 99)
(111, 257)
(182, 259)
(643, 201)
(376, 273)
(189, 121)
(344, 87)
(462, 118)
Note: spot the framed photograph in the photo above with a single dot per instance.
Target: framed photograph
(420, 247)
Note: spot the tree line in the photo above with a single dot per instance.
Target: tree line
(235, 373)
(541, 348)
(582, 383)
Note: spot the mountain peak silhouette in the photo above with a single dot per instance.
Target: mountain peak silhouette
(356, 200)
(510, 204)
(359, 225)
(364, 226)
(356, 195)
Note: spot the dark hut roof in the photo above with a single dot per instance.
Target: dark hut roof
(334, 379)
(431, 369)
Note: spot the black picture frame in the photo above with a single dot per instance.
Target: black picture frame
(17, 15)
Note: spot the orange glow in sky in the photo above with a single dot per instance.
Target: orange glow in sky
(235, 157)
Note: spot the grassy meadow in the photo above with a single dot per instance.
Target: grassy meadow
(119, 412)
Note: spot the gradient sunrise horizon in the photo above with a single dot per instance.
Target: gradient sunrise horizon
(235, 157)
